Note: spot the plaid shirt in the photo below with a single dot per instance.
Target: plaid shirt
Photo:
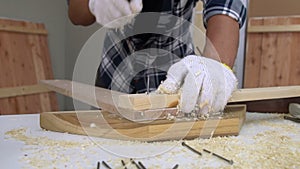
(147, 47)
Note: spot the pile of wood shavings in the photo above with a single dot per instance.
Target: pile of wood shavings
(272, 148)
(42, 152)
(269, 150)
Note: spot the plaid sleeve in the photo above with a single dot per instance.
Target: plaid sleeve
(233, 8)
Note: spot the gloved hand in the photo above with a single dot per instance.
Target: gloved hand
(206, 84)
(107, 11)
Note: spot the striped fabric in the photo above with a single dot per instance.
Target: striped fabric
(148, 46)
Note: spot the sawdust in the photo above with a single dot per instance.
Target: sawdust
(272, 148)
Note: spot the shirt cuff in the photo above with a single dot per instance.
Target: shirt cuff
(232, 8)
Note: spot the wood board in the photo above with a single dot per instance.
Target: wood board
(272, 57)
(22, 91)
(111, 100)
(106, 125)
(272, 53)
(25, 59)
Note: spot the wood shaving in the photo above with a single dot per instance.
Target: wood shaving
(276, 145)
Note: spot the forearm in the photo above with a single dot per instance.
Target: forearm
(79, 12)
(222, 39)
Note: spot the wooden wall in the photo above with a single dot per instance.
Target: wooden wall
(272, 57)
(273, 7)
(24, 60)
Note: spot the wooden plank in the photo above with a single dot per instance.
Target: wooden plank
(265, 93)
(253, 57)
(279, 61)
(268, 59)
(22, 69)
(145, 102)
(6, 80)
(280, 53)
(22, 90)
(110, 100)
(283, 55)
(94, 96)
(21, 29)
(113, 101)
(38, 57)
(273, 28)
(106, 125)
(142, 101)
(22, 64)
(294, 67)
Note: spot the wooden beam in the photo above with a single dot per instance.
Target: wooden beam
(22, 90)
(142, 101)
(265, 93)
(21, 29)
(273, 28)
(113, 101)
(109, 100)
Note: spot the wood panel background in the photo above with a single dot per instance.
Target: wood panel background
(272, 57)
(273, 8)
(24, 60)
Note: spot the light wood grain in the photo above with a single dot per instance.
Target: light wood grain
(278, 62)
(106, 125)
(112, 101)
(22, 90)
(265, 93)
(275, 28)
(253, 57)
(145, 102)
(268, 59)
(294, 67)
(21, 29)
(240, 95)
(22, 58)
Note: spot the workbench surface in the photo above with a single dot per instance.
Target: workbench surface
(265, 141)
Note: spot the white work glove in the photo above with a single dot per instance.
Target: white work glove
(114, 13)
(206, 84)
